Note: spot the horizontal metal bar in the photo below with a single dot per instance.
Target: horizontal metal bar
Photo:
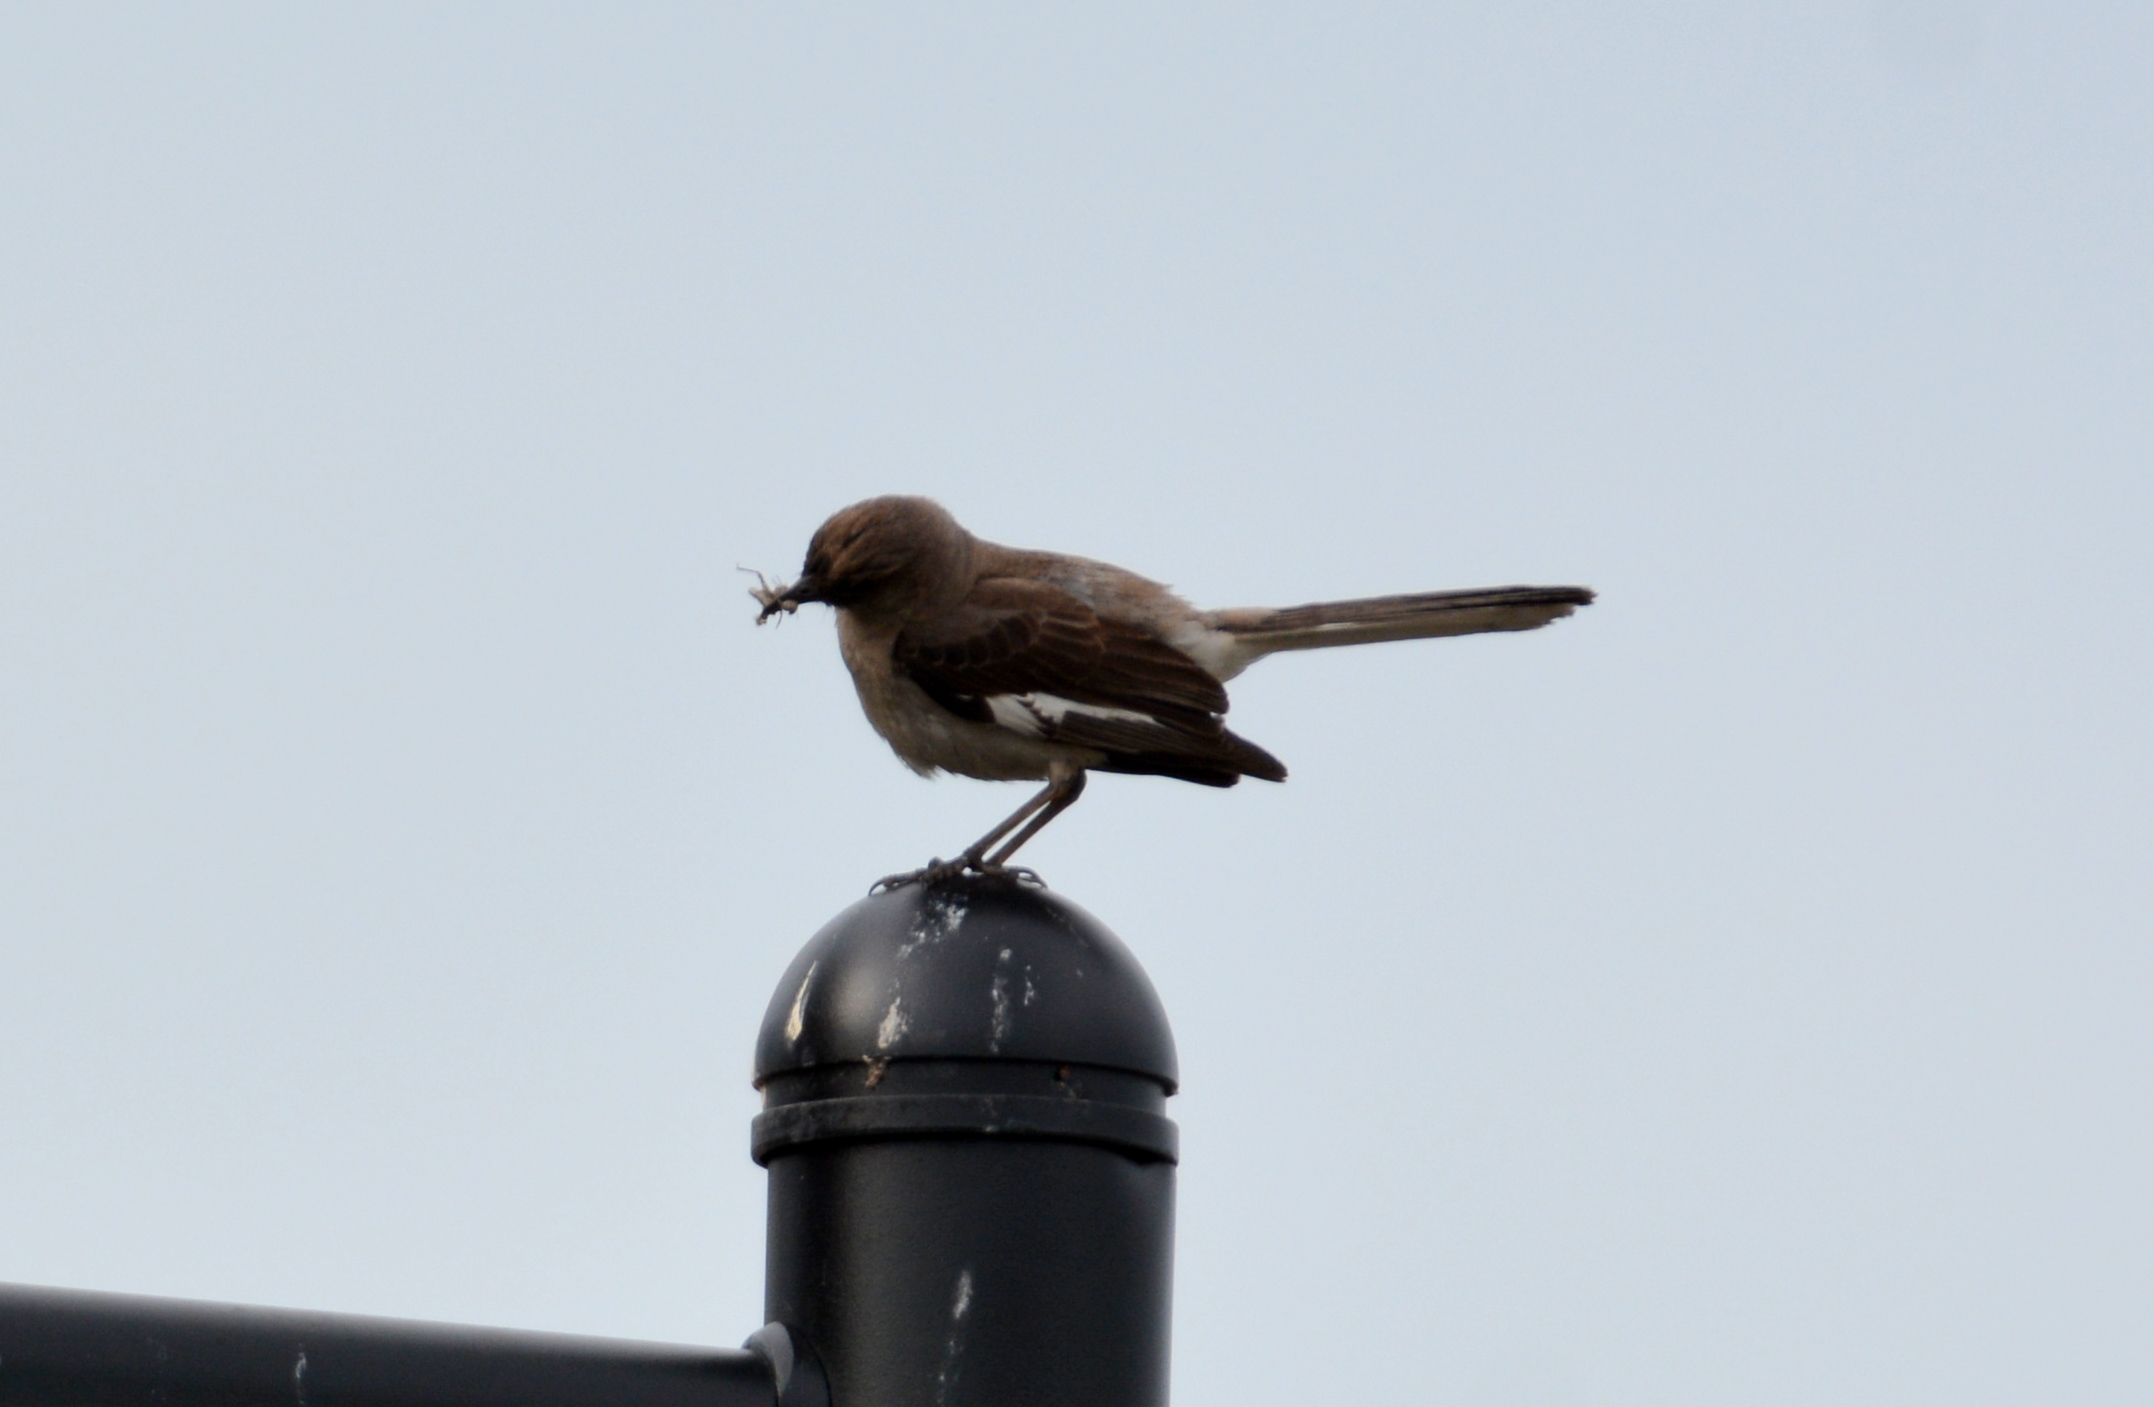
(83, 1349)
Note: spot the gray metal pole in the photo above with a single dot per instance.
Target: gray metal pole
(971, 1169)
(971, 1205)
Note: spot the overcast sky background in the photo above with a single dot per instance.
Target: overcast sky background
(1737, 994)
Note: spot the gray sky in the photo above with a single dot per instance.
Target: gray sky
(1737, 994)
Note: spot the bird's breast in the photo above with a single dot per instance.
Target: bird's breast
(928, 737)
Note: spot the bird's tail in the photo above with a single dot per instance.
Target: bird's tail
(1259, 631)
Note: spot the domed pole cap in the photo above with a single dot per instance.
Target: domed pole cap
(980, 1005)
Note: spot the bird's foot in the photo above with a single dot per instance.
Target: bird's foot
(1015, 874)
(936, 872)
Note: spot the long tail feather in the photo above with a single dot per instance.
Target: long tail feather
(1419, 616)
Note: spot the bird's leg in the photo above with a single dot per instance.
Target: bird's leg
(1060, 795)
(1049, 802)
(973, 857)
(975, 854)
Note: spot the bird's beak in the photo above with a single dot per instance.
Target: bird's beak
(785, 602)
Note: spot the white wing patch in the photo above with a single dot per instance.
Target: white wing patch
(1217, 652)
(1042, 715)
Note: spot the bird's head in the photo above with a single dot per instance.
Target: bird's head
(878, 556)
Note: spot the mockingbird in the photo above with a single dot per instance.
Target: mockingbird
(1009, 665)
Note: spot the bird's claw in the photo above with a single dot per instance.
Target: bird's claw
(939, 871)
(934, 872)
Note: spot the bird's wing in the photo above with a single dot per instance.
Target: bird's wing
(1030, 657)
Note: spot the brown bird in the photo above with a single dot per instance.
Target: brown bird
(1008, 665)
